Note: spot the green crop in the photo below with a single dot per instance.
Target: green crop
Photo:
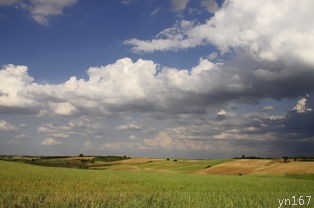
(24, 185)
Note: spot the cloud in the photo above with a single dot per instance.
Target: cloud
(60, 135)
(87, 143)
(145, 86)
(172, 38)
(155, 11)
(13, 93)
(210, 5)
(132, 137)
(267, 62)
(161, 140)
(77, 126)
(129, 127)
(179, 5)
(127, 2)
(267, 30)
(270, 43)
(268, 108)
(8, 2)
(50, 141)
(143, 89)
(299, 121)
(301, 106)
(41, 10)
(172, 140)
(221, 114)
(255, 133)
(126, 146)
(7, 127)
(63, 108)
(20, 139)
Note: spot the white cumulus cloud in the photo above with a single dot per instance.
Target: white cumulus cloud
(50, 141)
(63, 108)
(13, 83)
(301, 107)
(129, 127)
(5, 126)
(144, 86)
(268, 30)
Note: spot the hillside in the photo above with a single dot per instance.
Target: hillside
(25, 185)
(260, 166)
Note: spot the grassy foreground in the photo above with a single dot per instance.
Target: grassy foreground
(24, 185)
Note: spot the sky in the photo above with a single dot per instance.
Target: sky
(157, 78)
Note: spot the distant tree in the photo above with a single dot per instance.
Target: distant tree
(175, 160)
(81, 155)
(285, 158)
(168, 159)
(243, 156)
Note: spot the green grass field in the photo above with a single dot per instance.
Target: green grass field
(24, 185)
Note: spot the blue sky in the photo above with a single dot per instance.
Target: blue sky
(170, 78)
(88, 33)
